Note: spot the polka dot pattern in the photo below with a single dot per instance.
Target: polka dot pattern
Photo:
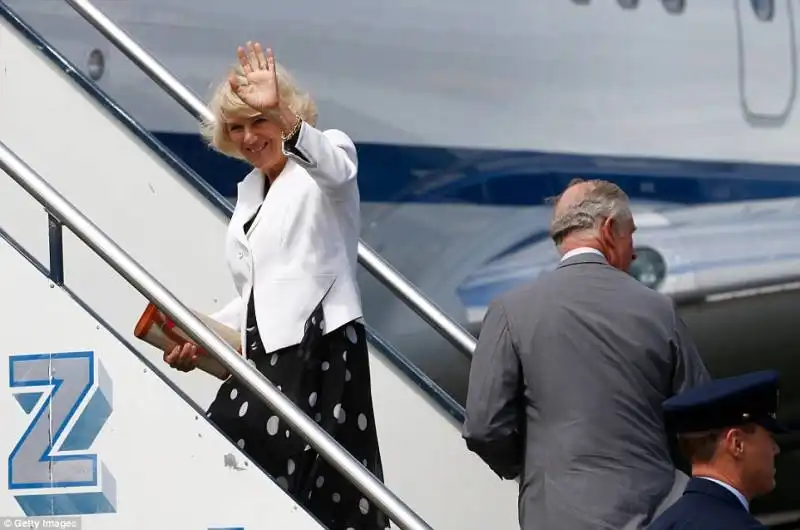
(330, 388)
(272, 425)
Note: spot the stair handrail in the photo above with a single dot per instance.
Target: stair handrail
(66, 213)
(390, 277)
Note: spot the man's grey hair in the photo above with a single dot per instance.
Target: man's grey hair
(602, 200)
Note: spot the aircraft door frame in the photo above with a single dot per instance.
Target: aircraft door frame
(764, 12)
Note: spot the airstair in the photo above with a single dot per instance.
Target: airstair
(96, 426)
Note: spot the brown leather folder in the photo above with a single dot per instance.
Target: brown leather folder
(156, 329)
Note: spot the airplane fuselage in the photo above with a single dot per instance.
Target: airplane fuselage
(489, 103)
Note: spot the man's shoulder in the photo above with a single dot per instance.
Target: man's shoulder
(523, 293)
(578, 277)
(699, 512)
(558, 287)
(680, 516)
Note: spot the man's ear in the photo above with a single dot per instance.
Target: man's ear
(733, 441)
(608, 229)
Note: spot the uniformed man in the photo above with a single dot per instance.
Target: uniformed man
(725, 429)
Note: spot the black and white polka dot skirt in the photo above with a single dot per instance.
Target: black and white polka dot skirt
(333, 387)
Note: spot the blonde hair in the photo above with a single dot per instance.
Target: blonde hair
(225, 102)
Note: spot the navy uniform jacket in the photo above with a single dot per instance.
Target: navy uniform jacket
(706, 506)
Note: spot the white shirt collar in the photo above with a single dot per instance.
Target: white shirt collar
(581, 250)
(733, 490)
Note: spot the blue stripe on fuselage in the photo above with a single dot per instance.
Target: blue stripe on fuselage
(402, 173)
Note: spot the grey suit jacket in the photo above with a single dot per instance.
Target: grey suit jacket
(565, 393)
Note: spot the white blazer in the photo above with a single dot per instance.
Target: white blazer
(303, 239)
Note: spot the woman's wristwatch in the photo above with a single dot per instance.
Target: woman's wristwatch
(291, 137)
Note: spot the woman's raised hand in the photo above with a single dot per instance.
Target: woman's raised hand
(259, 89)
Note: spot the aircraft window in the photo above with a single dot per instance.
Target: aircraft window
(628, 4)
(674, 7)
(763, 9)
(648, 267)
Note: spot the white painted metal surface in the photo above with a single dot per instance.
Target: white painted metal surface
(163, 465)
(554, 76)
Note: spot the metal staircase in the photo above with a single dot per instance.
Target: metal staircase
(436, 448)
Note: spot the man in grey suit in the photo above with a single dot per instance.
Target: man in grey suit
(569, 375)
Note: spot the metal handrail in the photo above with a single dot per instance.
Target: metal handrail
(151, 289)
(375, 265)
